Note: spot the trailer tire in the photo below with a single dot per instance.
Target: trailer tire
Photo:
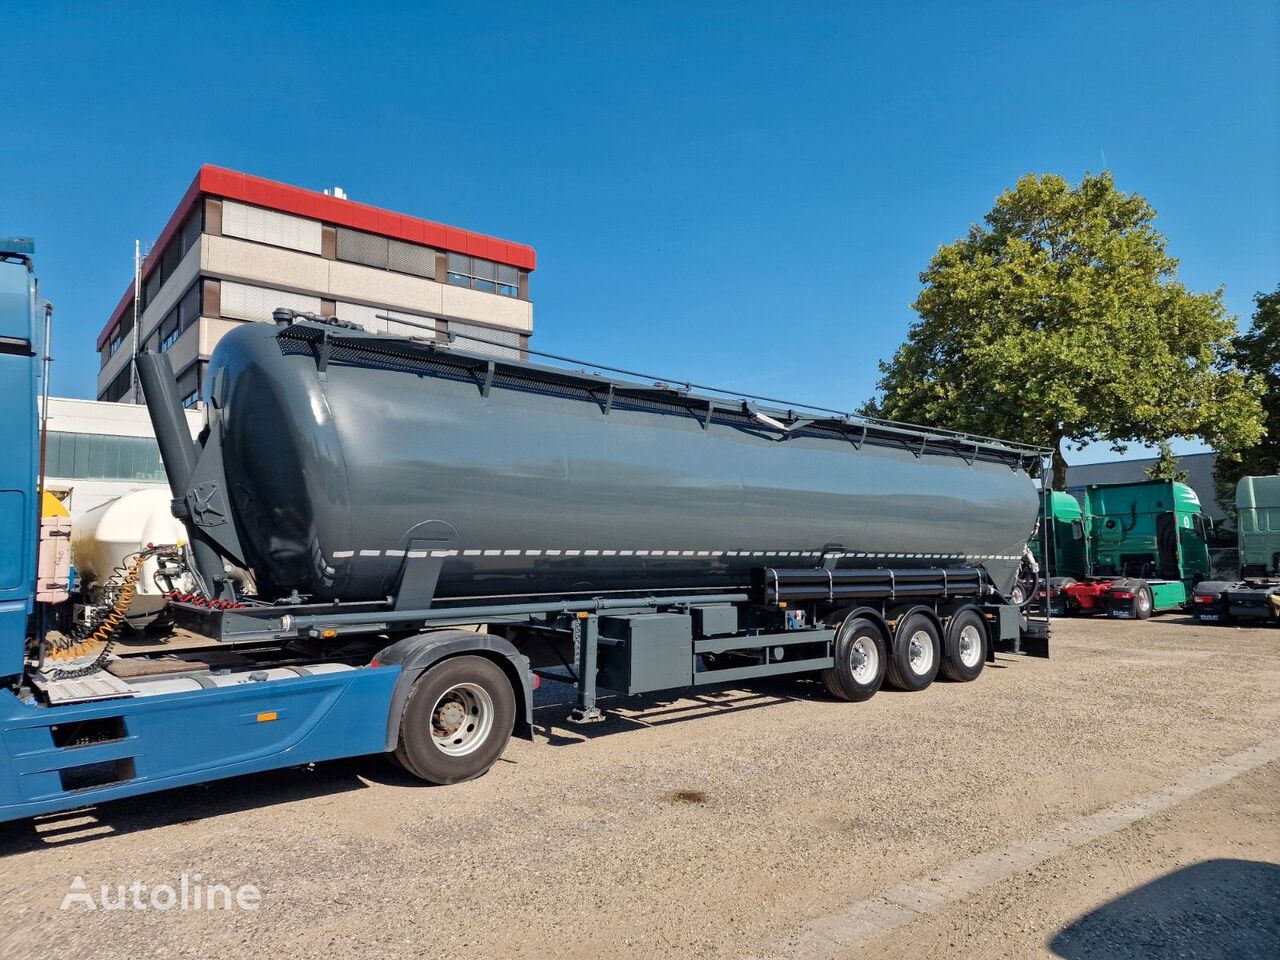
(966, 647)
(1143, 601)
(1022, 593)
(1058, 601)
(916, 654)
(457, 720)
(861, 658)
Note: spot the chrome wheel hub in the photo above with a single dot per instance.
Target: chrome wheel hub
(864, 660)
(920, 652)
(970, 646)
(461, 719)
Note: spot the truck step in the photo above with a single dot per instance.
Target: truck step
(96, 686)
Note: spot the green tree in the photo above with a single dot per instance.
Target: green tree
(1258, 354)
(1060, 321)
(1166, 467)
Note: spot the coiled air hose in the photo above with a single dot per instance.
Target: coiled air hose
(123, 583)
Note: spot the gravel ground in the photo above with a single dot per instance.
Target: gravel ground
(718, 825)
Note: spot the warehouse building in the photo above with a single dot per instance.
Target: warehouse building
(237, 247)
(95, 452)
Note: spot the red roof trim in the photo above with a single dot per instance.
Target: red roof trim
(232, 185)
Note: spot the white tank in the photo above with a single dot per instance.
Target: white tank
(103, 537)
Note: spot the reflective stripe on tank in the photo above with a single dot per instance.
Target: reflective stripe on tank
(510, 552)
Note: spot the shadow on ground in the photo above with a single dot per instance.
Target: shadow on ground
(186, 804)
(1218, 908)
(552, 705)
(289, 784)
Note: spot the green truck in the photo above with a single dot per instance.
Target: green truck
(1256, 595)
(1065, 533)
(1132, 550)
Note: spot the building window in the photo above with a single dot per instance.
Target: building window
(123, 329)
(240, 301)
(169, 330)
(479, 274)
(371, 250)
(120, 385)
(397, 322)
(93, 456)
(356, 246)
(192, 228)
(170, 259)
(189, 385)
(411, 258)
(190, 306)
(164, 263)
(500, 343)
(271, 227)
(151, 288)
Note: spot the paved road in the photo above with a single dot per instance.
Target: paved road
(1120, 799)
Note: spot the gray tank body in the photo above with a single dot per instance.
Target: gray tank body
(345, 451)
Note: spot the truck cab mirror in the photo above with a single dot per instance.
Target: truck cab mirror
(1077, 529)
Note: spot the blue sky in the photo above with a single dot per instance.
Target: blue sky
(735, 194)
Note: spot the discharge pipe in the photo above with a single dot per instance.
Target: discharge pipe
(179, 454)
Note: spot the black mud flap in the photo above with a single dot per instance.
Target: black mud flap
(1012, 631)
(1034, 639)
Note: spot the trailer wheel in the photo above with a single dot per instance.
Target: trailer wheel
(457, 721)
(966, 646)
(1142, 602)
(1058, 601)
(861, 657)
(916, 654)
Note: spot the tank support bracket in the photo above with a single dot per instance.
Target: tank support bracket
(418, 577)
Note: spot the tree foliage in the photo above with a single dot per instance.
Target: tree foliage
(1257, 353)
(1166, 466)
(1060, 321)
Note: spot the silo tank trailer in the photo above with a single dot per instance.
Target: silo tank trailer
(387, 493)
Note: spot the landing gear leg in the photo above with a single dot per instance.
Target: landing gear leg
(586, 643)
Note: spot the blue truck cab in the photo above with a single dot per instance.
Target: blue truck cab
(21, 341)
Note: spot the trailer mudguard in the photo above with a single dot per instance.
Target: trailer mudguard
(415, 654)
(869, 613)
(896, 615)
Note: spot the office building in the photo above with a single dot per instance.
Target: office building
(237, 247)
